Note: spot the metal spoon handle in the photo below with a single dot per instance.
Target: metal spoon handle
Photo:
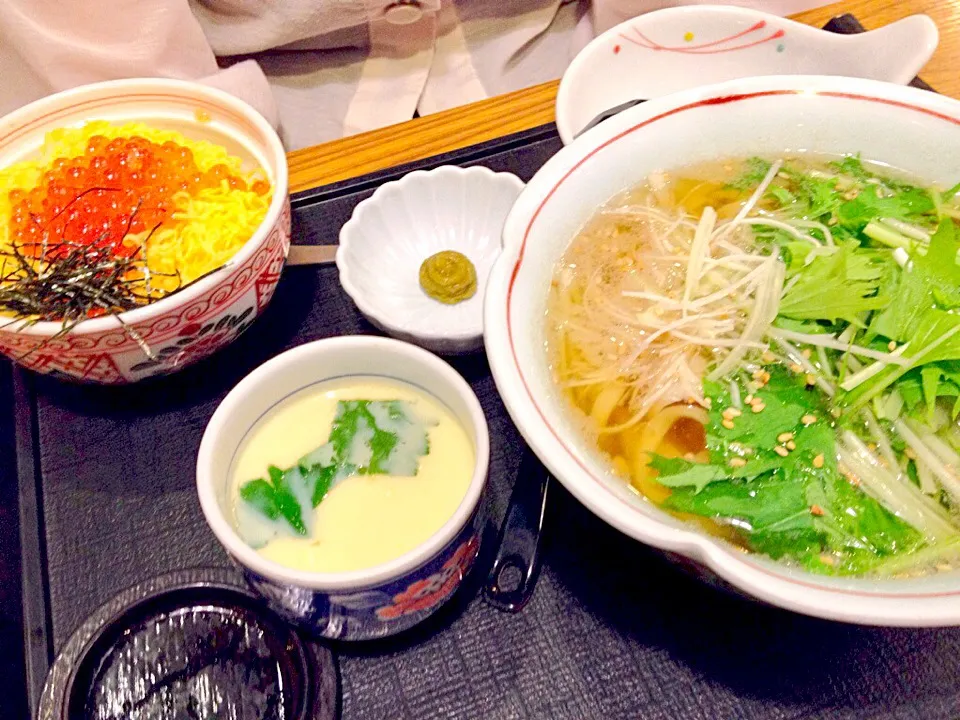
(514, 573)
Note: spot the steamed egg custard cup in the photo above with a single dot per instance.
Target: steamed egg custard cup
(357, 604)
(914, 131)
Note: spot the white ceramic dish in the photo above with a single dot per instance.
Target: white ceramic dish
(406, 221)
(366, 603)
(213, 311)
(915, 130)
(665, 51)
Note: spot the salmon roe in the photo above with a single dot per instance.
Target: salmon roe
(118, 187)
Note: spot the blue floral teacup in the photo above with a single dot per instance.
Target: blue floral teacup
(360, 604)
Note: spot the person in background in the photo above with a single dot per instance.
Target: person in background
(317, 69)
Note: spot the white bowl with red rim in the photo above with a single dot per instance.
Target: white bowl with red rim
(200, 319)
(914, 130)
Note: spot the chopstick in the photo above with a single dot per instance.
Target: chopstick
(311, 254)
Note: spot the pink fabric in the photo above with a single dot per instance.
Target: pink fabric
(607, 13)
(59, 44)
(328, 62)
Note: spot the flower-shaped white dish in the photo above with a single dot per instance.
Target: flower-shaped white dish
(406, 221)
(674, 49)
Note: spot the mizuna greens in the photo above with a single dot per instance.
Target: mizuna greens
(774, 347)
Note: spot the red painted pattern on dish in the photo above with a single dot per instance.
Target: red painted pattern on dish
(726, 44)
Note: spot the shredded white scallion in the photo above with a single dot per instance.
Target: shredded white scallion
(893, 490)
(829, 341)
(753, 199)
(945, 474)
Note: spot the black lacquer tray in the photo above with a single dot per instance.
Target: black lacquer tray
(104, 478)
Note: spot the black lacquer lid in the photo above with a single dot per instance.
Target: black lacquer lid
(191, 645)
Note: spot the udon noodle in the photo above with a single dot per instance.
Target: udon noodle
(636, 318)
(709, 278)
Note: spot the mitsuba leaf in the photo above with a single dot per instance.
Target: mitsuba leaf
(851, 165)
(929, 281)
(755, 170)
(275, 498)
(936, 339)
(798, 506)
(261, 495)
(838, 286)
(906, 203)
(677, 472)
(771, 510)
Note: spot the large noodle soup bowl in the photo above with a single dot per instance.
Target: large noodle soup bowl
(198, 320)
(913, 130)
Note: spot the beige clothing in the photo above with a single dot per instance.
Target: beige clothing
(318, 69)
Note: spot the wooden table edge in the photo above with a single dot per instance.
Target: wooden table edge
(532, 107)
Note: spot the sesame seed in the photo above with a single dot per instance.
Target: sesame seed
(749, 400)
(757, 374)
(757, 407)
(892, 345)
(811, 379)
(910, 453)
(728, 424)
(806, 353)
(791, 445)
(808, 420)
(816, 510)
(737, 462)
(734, 412)
(818, 461)
(781, 451)
(783, 437)
(707, 402)
(796, 367)
(768, 357)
